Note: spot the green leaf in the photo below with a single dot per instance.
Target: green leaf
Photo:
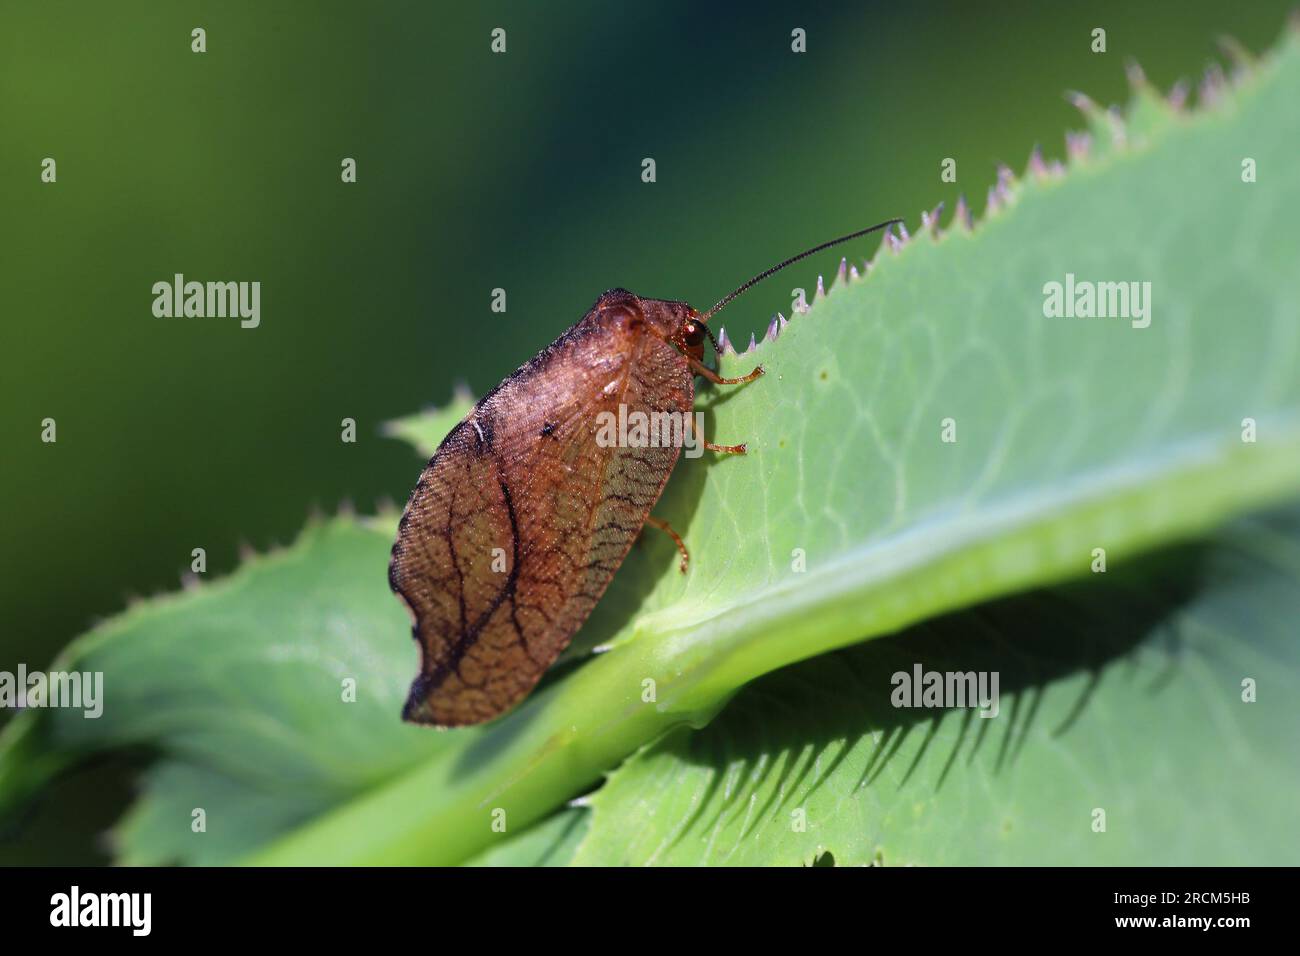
(1072, 435)
(1123, 692)
(424, 431)
(241, 686)
(552, 842)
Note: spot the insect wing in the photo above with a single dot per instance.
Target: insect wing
(522, 517)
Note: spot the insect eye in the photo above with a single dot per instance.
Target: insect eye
(694, 333)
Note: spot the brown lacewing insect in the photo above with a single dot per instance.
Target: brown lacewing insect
(521, 517)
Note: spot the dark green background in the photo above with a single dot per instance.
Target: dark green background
(475, 171)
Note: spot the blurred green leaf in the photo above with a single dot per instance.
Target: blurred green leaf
(849, 519)
(551, 842)
(241, 687)
(424, 431)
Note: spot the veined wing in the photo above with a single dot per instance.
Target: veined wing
(522, 517)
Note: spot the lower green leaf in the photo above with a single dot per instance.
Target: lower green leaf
(1156, 701)
(551, 842)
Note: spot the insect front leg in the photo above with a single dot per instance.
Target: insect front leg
(702, 369)
(721, 449)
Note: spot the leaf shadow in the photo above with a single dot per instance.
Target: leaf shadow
(1087, 627)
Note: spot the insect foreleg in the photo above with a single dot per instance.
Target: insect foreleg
(702, 369)
(722, 449)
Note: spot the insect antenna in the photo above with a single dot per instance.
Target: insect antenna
(717, 352)
(709, 335)
(788, 262)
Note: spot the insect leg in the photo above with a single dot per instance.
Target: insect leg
(663, 525)
(716, 379)
(722, 449)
